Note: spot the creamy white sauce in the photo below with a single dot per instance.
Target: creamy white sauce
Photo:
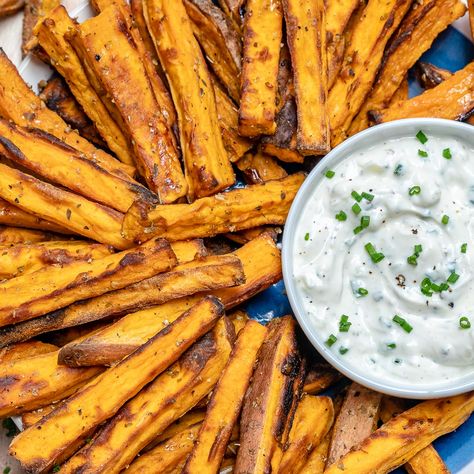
(331, 263)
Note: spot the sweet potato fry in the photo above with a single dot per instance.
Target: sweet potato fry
(402, 437)
(24, 350)
(10, 236)
(238, 209)
(429, 75)
(261, 53)
(452, 99)
(232, 8)
(193, 417)
(219, 40)
(319, 377)
(31, 417)
(23, 259)
(9, 7)
(306, 36)
(50, 32)
(123, 78)
(62, 165)
(470, 4)
(64, 208)
(95, 402)
(262, 267)
(402, 92)
(19, 104)
(226, 402)
(416, 33)
(202, 275)
(316, 461)
(313, 419)
(267, 405)
(356, 420)
(167, 455)
(36, 381)
(207, 166)
(150, 412)
(52, 288)
(239, 319)
(245, 236)
(258, 168)
(362, 59)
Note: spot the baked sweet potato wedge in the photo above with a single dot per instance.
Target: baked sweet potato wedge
(238, 209)
(415, 35)
(306, 36)
(168, 397)
(191, 418)
(96, 402)
(62, 165)
(319, 377)
(10, 236)
(207, 165)
(356, 420)
(261, 52)
(219, 40)
(24, 350)
(9, 7)
(429, 75)
(452, 99)
(123, 79)
(259, 168)
(470, 5)
(316, 461)
(19, 104)
(262, 267)
(198, 276)
(51, 33)
(32, 382)
(361, 62)
(29, 418)
(313, 419)
(226, 402)
(245, 236)
(268, 402)
(402, 92)
(64, 208)
(233, 10)
(402, 437)
(24, 259)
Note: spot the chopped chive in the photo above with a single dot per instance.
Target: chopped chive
(343, 350)
(330, 174)
(367, 196)
(414, 190)
(445, 219)
(358, 229)
(463, 248)
(306, 236)
(341, 216)
(56, 468)
(418, 249)
(402, 323)
(422, 138)
(412, 260)
(425, 287)
(453, 278)
(447, 154)
(344, 323)
(444, 287)
(392, 345)
(331, 340)
(356, 209)
(464, 323)
(364, 221)
(398, 170)
(374, 255)
(436, 288)
(423, 153)
(362, 292)
(356, 196)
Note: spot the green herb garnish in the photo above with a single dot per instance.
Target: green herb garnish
(331, 340)
(367, 196)
(356, 196)
(341, 216)
(392, 345)
(362, 292)
(356, 209)
(445, 219)
(423, 153)
(343, 350)
(453, 278)
(414, 190)
(464, 323)
(447, 154)
(344, 323)
(422, 138)
(330, 174)
(374, 255)
(306, 236)
(463, 248)
(403, 323)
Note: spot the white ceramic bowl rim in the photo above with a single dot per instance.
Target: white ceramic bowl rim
(371, 136)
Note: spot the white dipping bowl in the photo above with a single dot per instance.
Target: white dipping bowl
(360, 142)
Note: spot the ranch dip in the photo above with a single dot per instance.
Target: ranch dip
(384, 259)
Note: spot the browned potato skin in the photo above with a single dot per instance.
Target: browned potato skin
(319, 377)
(24, 259)
(269, 402)
(143, 418)
(24, 350)
(226, 402)
(245, 236)
(123, 77)
(62, 165)
(356, 421)
(232, 10)
(199, 276)
(261, 52)
(306, 37)
(416, 33)
(238, 209)
(220, 42)
(429, 75)
(207, 166)
(262, 267)
(402, 437)
(51, 33)
(9, 7)
(452, 99)
(58, 98)
(17, 235)
(71, 211)
(19, 104)
(96, 402)
(259, 168)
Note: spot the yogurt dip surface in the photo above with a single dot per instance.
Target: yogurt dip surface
(383, 259)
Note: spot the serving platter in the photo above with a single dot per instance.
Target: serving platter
(452, 51)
